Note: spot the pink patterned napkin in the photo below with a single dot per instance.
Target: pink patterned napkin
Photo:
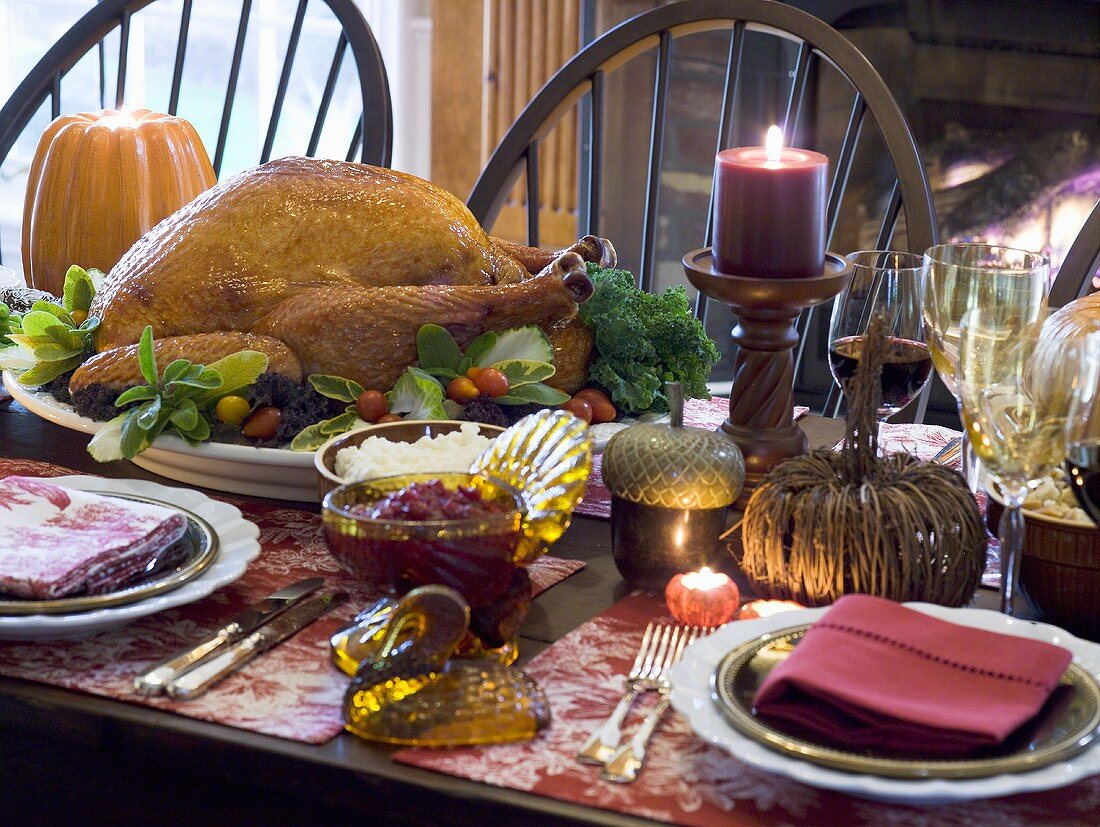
(698, 413)
(57, 541)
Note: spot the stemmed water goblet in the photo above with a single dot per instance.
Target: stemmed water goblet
(887, 285)
(1015, 387)
(960, 277)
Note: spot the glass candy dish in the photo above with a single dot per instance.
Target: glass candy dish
(413, 692)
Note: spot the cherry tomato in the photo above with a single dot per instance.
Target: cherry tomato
(471, 373)
(602, 409)
(491, 382)
(579, 408)
(232, 409)
(79, 316)
(462, 389)
(371, 405)
(389, 417)
(263, 423)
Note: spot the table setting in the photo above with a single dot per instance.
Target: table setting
(520, 545)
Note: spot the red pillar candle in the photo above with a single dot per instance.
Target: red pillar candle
(769, 210)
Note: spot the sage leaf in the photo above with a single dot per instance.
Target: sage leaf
(133, 439)
(175, 370)
(147, 358)
(336, 387)
(437, 348)
(523, 372)
(478, 347)
(185, 417)
(237, 371)
(148, 413)
(78, 291)
(51, 309)
(138, 393)
(310, 438)
(340, 423)
(45, 372)
(199, 432)
(538, 393)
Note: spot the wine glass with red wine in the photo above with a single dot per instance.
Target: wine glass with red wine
(889, 285)
(1083, 430)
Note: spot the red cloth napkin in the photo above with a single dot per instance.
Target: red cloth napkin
(872, 674)
(56, 541)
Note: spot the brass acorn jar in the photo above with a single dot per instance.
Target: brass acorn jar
(670, 488)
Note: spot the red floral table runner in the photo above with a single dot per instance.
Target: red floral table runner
(293, 691)
(687, 781)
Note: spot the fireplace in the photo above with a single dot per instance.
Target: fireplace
(1003, 99)
(1004, 102)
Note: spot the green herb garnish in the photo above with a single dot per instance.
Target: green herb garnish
(523, 354)
(50, 341)
(177, 400)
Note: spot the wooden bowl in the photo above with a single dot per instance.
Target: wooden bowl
(1060, 570)
(324, 459)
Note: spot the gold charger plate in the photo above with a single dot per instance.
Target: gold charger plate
(1066, 725)
(198, 548)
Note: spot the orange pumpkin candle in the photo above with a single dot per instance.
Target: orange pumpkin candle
(99, 181)
(702, 598)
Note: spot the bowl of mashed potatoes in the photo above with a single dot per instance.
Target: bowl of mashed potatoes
(406, 447)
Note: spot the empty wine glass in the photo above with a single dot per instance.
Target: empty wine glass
(1015, 387)
(963, 276)
(888, 285)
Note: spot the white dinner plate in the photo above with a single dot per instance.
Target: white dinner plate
(278, 473)
(692, 688)
(237, 547)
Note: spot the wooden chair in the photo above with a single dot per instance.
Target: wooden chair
(583, 80)
(1075, 276)
(370, 141)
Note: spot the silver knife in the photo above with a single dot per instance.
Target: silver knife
(156, 679)
(200, 678)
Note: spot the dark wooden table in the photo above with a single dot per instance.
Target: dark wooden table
(66, 757)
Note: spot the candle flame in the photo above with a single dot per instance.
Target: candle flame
(773, 143)
(705, 579)
(118, 119)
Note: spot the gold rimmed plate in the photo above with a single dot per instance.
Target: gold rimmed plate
(179, 564)
(1066, 725)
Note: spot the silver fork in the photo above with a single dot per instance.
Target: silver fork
(627, 761)
(642, 678)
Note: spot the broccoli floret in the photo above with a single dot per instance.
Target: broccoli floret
(644, 340)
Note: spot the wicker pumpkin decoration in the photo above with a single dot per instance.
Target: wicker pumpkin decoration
(836, 522)
(99, 181)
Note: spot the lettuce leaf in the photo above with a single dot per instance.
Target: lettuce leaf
(417, 396)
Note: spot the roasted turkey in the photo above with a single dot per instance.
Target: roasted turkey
(342, 263)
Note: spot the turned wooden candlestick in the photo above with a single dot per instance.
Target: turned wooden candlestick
(761, 418)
